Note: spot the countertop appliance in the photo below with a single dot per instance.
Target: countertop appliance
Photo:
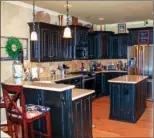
(140, 62)
(81, 52)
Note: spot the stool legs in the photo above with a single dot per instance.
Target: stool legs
(48, 121)
(25, 127)
(31, 130)
(10, 131)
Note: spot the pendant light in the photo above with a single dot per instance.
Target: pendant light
(33, 33)
(67, 30)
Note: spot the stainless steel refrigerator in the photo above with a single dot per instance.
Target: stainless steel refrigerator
(140, 62)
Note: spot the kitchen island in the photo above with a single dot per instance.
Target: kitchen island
(128, 95)
(71, 108)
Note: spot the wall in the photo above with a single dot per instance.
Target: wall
(74, 65)
(14, 18)
(114, 27)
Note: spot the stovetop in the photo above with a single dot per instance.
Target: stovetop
(84, 73)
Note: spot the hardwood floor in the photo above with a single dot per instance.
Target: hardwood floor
(109, 128)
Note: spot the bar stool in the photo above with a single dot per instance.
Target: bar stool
(24, 114)
(2, 105)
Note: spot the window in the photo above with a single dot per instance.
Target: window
(4, 56)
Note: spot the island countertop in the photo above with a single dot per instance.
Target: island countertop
(133, 79)
(44, 85)
(79, 93)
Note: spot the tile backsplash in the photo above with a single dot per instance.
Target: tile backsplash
(75, 65)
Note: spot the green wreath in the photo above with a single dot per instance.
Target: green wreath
(12, 47)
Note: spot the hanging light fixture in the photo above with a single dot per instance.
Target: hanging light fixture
(33, 33)
(67, 30)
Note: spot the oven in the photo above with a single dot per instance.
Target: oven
(89, 82)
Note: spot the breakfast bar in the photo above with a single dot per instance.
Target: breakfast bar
(70, 108)
(128, 97)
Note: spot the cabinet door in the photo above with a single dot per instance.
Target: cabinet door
(66, 49)
(104, 46)
(133, 38)
(87, 117)
(126, 101)
(115, 47)
(45, 45)
(77, 119)
(115, 98)
(122, 47)
(54, 45)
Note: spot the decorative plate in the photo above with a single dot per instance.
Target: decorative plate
(42, 16)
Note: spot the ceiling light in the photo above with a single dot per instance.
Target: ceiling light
(67, 30)
(67, 5)
(33, 33)
(100, 18)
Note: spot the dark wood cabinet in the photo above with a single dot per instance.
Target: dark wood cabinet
(60, 104)
(103, 44)
(99, 42)
(102, 85)
(92, 43)
(133, 35)
(82, 117)
(118, 46)
(127, 101)
(50, 45)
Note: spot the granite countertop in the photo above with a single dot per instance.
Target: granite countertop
(133, 79)
(44, 85)
(107, 71)
(59, 78)
(79, 93)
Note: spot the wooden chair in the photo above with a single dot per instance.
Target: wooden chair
(23, 115)
(2, 105)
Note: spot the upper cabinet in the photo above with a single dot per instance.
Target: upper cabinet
(99, 44)
(50, 45)
(79, 41)
(133, 35)
(118, 46)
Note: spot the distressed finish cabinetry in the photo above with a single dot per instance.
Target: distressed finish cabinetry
(82, 117)
(127, 101)
(51, 46)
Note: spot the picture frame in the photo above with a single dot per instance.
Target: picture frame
(121, 28)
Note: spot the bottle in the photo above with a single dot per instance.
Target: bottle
(17, 69)
(82, 66)
(29, 75)
(20, 56)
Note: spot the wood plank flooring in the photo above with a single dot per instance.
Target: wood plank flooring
(109, 128)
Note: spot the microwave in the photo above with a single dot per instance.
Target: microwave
(81, 52)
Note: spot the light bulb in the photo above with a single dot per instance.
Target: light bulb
(67, 33)
(33, 36)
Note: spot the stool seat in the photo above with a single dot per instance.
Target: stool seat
(33, 111)
(18, 113)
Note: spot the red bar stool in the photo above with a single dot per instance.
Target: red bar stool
(23, 115)
(2, 105)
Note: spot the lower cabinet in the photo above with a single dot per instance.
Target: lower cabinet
(82, 117)
(127, 101)
(102, 85)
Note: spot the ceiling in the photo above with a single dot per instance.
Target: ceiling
(111, 11)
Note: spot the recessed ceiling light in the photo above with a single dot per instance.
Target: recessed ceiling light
(100, 18)
(69, 6)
